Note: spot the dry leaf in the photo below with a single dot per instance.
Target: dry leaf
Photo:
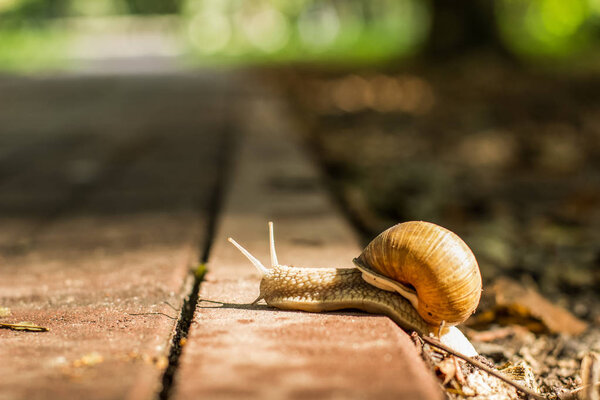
(515, 304)
(521, 373)
(24, 326)
(446, 370)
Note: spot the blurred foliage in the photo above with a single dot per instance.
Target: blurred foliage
(305, 30)
(31, 49)
(153, 6)
(36, 33)
(27, 40)
(19, 14)
(547, 27)
(27, 11)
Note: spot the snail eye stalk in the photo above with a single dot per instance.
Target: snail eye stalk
(274, 261)
(261, 268)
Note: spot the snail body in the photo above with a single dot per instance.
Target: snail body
(379, 285)
(329, 289)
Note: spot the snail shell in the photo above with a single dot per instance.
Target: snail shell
(429, 265)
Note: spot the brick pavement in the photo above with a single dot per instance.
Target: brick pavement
(107, 187)
(103, 215)
(239, 351)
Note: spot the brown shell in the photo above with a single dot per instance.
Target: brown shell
(435, 262)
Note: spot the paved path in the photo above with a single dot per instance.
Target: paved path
(112, 191)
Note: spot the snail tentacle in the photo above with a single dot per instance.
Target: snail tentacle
(274, 261)
(261, 268)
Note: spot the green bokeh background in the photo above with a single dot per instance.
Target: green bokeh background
(39, 34)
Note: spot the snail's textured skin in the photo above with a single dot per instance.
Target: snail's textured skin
(328, 289)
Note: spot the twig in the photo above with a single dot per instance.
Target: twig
(573, 394)
(210, 301)
(482, 366)
(170, 305)
(153, 313)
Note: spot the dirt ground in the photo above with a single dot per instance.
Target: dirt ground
(507, 157)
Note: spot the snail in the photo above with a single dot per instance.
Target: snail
(422, 276)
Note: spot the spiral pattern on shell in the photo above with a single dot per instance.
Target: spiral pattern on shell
(435, 262)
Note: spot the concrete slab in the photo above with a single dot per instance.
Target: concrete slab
(236, 350)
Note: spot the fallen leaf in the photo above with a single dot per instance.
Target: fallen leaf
(446, 370)
(497, 333)
(514, 304)
(24, 326)
(521, 373)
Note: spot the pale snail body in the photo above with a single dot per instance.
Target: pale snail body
(365, 287)
(329, 289)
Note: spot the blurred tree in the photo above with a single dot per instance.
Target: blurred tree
(524, 28)
(458, 27)
(547, 28)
